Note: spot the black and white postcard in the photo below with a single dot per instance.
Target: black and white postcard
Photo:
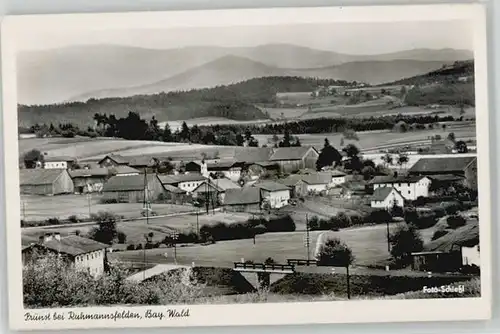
(247, 167)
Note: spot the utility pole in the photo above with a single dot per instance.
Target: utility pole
(348, 285)
(307, 241)
(197, 222)
(388, 238)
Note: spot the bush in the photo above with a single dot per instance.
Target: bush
(438, 234)
(53, 221)
(451, 208)
(105, 231)
(122, 237)
(73, 219)
(334, 252)
(378, 216)
(404, 241)
(130, 247)
(455, 221)
(397, 211)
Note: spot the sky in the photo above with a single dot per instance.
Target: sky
(350, 38)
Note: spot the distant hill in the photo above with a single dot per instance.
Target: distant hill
(59, 74)
(232, 69)
(234, 101)
(449, 85)
(451, 73)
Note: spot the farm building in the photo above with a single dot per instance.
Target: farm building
(410, 187)
(262, 168)
(293, 159)
(113, 160)
(214, 189)
(45, 182)
(335, 177)
(187, 182)
(123, 170)
(130, 189)
(276, 194)
(452, 251)
(386, 198)
(312, 184)
(143, 164)
(58, 162)
(229, 169)
(173, 195)
(458, 166)
(251, 155)
(89, 180)
(82, 253)
(243, 200)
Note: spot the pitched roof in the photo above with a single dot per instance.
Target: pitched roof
(97, 172)
(34, 177)
(220, 185)
(395, 179)
(265, 163)
(446, 177)
(271, 186)
(247, 195)
(122, 169)
(316, 179)
(173, 189)
(467, 235)
(380, 194)
(127, 182)
(116, 158)
(221, 164)
(253, 154)
(290, 153)
(291, 180)
(333, 173)
(141, 161)
(74, 245)
(58, 158)
(174, 179)
(441, 165)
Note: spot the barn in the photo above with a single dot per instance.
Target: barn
(293, 159)
(243, 200)
(45, 182)
(113, 160)
(89, 180)
(130, 188)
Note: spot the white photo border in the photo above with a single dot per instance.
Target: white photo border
(14, 28)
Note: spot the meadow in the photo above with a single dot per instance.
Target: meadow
(36, 208)
(368, 243)
(136, 229)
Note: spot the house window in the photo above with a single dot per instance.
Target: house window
(87, 257)
(408, 184)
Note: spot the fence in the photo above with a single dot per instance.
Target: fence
(264, 267)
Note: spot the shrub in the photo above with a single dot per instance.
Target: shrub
(438, 234)
(73, 219)
(53, 221)
(378, 216)
(122, 237)
(105, 231)
(451, 208)
(334, 252)
(455, 221)
(404, 241)
(314, 223)
(397, 211)
(130, 247)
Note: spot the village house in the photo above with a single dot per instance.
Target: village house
(335, 177)
(89, 180)
(214, 189)
(58, 162)
(199, 167)
(293, 159)
(262, 168)
(276, 194)
(229, 169)
(131, 188)
(144, 164)
(45, 182)
(450, 252)
(247, 199)
(187, 182)
(458, 166)
(386, 198)
(113, 160)
(81, 253)
(410, 187)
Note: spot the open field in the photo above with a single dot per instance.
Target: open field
(177, 125)
(85, 148)
(136, 229)
(384, 139)
(62, 206)
(369, 245)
